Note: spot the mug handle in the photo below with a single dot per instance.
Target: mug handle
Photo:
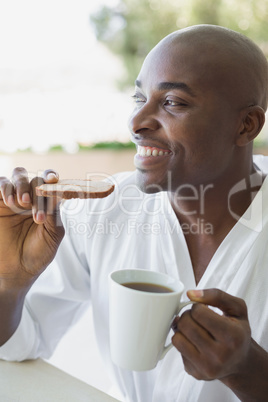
(170, 345)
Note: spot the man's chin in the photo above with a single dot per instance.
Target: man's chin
(147, 185)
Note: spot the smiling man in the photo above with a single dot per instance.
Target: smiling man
(195, 208)
(193, 93)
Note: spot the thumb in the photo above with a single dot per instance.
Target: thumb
(50, 176)
(228, 304)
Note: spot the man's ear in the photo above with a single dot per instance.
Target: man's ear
(252, 122)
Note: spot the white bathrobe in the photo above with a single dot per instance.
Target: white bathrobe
(130, 229)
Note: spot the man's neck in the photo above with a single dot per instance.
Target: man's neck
(208, 213)
(219, 204)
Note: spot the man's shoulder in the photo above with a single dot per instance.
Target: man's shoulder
(261, 161)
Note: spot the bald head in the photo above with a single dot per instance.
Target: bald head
(236, 63)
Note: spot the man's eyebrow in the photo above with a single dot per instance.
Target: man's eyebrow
(176, 85)
(171, 85)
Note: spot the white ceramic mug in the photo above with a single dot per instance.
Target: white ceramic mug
(140, 320)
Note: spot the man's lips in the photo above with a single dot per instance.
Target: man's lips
(146, 151)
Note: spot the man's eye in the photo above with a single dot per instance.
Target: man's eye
(138, 99)
(170, 102)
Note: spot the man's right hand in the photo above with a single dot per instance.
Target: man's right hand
(30, 229)
(30, 233)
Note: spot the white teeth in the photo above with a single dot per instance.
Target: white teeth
(147, 151)
(142, 151)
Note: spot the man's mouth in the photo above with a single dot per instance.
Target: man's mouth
(152, 151)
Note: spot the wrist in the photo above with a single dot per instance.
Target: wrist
(249, 382)
(11, 305)
(16, 284)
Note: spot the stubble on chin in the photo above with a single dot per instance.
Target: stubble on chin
(149, 185)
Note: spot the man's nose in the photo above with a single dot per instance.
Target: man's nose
(144, 119)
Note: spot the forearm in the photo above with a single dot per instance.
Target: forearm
(251, 383)
(11, 305)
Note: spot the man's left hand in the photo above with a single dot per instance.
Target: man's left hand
(212, 345)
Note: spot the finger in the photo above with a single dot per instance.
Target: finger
(230, 305)
(22, 186)
(50, 176)
(184, 346)
(191, 369)
(7, 191)
(53, 221)
(196, 334)
(38, 203)
(44, 207)
(218, 326)
(175, 322)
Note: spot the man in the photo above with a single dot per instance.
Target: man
(201, 97)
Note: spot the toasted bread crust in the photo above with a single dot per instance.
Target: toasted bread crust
(67, 189)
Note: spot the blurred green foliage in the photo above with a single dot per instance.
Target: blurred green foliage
(109, 145)
(113, 145)
(134, 27)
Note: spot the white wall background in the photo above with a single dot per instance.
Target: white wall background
(56, 80)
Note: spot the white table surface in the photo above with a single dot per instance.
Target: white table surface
(38, 381)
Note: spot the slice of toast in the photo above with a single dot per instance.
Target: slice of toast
(72, 188)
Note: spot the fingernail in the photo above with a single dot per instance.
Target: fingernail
(195, 294)
(26, 198)
(51, 177)
(10, 200)
(174, 326)
(40, 216)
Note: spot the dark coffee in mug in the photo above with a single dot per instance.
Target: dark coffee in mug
(147, 287)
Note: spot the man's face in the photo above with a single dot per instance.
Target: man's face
(185, 121)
